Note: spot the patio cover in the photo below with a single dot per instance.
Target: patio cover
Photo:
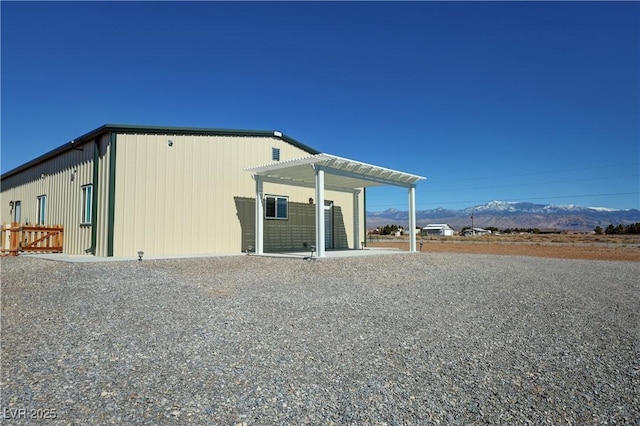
(326, 171)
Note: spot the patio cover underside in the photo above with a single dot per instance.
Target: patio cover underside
(328, 172)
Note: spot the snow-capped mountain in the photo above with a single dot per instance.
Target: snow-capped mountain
(505, 214)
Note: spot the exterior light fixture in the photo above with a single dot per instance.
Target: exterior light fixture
(140, 254)
(11, 204)
(170, 142)
(310, 200)
(313, 249)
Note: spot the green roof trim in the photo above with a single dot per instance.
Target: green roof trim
(160, 130)
(94, 194)
(111, 213)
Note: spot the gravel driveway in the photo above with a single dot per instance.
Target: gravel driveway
(416, 338)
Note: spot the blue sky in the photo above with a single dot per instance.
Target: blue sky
(511, 101)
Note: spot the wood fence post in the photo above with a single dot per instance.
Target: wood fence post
(15, 239)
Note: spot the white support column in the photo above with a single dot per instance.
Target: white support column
(259, 229)
(356, 219)
(320, 212)
(412, 218)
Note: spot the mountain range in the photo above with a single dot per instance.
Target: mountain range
(505, 214)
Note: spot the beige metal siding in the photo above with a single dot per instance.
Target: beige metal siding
(194, 197)
(102, 192)
(60, 179)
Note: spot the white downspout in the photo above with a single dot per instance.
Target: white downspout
(259, 215)
(412, 218)
(320, 212)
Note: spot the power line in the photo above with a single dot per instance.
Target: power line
(432, 182)
(544, 198)
(518, 199)
(532, 173)
(531, 184)
(421, 188)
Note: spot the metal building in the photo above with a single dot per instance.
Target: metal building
(438, 229)
(120, 189)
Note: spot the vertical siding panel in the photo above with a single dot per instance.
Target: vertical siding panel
(104, 155)
(172, 229)
(119, 227)
(228, 153)
(198, 207)
(123, 222)
(150, 218)
(138, 195)
(165, 233)
(187, 188)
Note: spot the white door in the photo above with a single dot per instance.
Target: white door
(328, 225)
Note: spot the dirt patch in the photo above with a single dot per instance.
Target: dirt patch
(562, 251)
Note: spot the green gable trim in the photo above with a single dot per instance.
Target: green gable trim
(111, 212)
(158, 130)
(94, 193)
(203, 131)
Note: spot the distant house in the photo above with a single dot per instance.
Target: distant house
(549, 231)
(438, 229)
(475, 232)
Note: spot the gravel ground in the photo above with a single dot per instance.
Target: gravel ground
(396, 339)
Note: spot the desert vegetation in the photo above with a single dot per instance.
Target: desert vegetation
(570, 239)
(567, 246)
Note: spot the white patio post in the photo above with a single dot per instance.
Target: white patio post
(356, 219)
(412, 218)
(319, 212)
(259, 214)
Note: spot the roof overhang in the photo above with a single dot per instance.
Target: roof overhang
(341, 174)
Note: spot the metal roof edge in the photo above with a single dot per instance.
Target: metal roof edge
(133, 128)
(299, 144)
(209, 131)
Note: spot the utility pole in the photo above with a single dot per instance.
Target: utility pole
(473, 231)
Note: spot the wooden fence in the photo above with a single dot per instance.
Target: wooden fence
(16, 238)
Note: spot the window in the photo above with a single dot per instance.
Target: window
(275, 154)
(87, 203)
(16, 211)
(42, 210)
(276, 207)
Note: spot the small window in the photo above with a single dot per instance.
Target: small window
(275, 154)
(17, 211)
(87, 204)
(42, 209)
(276, 207)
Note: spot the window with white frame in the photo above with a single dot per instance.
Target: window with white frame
(17, 211)
(276, 207)
(42, 210)
(87, 204)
